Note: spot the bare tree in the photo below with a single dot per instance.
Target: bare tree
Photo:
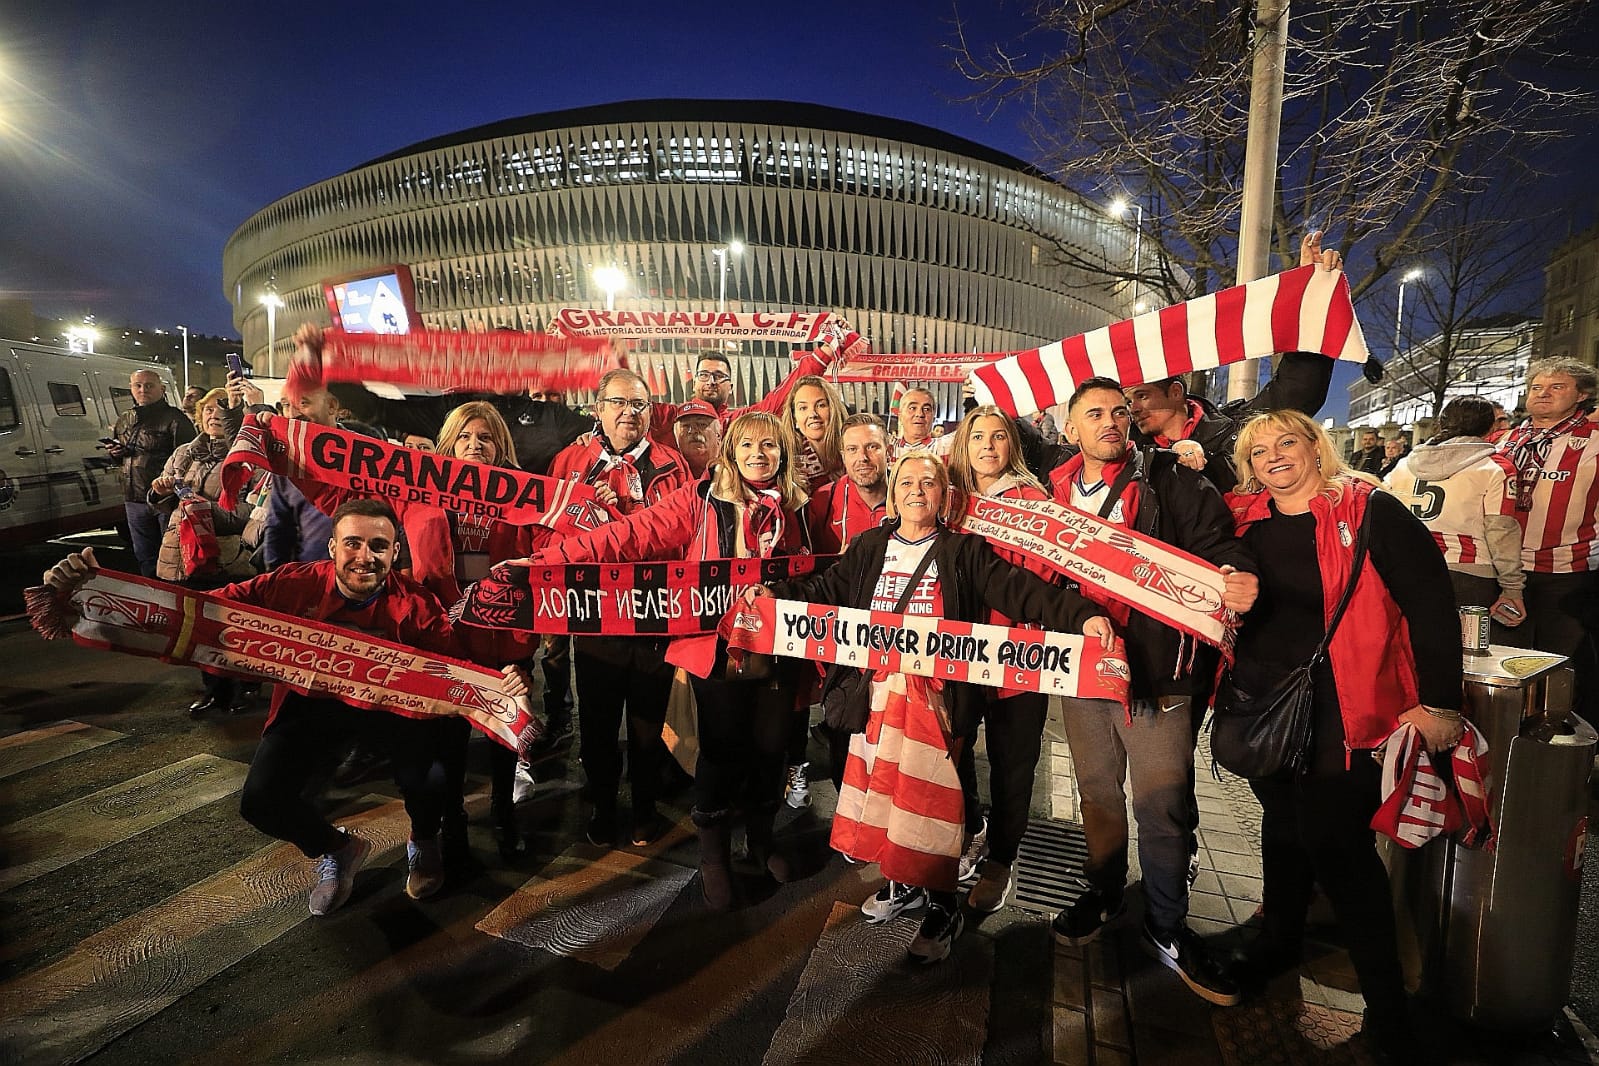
(1390, 108)
(1480, 265)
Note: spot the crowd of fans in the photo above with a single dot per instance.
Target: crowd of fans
(1504, 515)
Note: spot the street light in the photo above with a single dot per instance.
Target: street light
(1118, 209)
(271, 301)
(1399, 320)
(613, 281)
(735, 247)
(185, 330)
(84, 335)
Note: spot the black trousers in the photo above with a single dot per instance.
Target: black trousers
(558, 678)
(618, 676)
(743, 743)
(1015, 730)
(1561, 608)
(1316, 829)
(308, 737)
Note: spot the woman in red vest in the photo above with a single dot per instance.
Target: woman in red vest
(1394, 658)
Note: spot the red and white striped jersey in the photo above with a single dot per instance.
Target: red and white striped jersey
(1455, 501)
(1558, 531)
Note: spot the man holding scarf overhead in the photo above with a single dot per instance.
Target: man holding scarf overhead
(1150, 493)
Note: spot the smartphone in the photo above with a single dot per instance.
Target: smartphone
(108, 441)
(236, 366)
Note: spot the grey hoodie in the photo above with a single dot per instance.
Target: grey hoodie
(1437, 463)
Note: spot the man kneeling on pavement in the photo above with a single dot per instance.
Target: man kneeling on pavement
(355, 588)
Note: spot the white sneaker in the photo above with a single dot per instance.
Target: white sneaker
(892, 900)
(798, 790)
(971, 862)
(522, 785)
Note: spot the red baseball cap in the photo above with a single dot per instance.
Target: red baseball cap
(695, 407)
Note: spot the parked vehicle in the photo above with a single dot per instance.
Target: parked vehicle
(55, 405)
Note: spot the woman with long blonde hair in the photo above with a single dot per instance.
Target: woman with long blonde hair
(986, 461)
(813, 415)
(748, 506)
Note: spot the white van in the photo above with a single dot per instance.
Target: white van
(55, 405)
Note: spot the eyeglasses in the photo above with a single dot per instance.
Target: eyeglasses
(618, 403)
(712, 377)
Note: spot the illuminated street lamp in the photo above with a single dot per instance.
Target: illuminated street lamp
(271, 301)
(613, 281)
(1118, 209)
(82, 338)
(721, 254)
(1399, 320)
(185, 331)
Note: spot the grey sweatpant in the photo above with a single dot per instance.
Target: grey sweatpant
(1155, 751)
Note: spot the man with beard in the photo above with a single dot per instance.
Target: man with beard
(858, 501)
(355, 588)
(713, 385)
(1150, 741)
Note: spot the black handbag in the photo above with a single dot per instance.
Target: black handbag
(847, 703)
(1258, 736)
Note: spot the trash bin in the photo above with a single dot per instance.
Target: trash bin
(1491, 934)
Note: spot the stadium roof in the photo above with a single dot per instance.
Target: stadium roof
(736, 112)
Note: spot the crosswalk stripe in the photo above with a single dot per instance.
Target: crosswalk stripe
(125, 974)
(52, 839)
(37, 747)
(594, 910)
(858, 992)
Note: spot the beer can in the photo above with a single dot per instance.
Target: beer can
(1474, 630)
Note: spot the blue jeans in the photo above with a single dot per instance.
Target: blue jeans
(146, 526)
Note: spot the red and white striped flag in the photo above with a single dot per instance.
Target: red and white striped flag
(1306, 309)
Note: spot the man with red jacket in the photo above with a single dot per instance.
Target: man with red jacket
(354, 589)
(848, 506)
(629, 471)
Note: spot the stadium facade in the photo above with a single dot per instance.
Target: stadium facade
(924, 241)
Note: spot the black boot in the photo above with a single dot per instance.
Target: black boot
(716, 875)
(507, 833)
(758, 827)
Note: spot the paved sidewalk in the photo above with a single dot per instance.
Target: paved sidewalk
(1115, 1005)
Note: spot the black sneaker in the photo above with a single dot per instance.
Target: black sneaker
(893, 900)
(938, 933)
(601, 830)
(1082, 921)
(1185, 952)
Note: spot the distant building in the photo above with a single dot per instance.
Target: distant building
(1571, 299)
(924, 241)
(1489, 359)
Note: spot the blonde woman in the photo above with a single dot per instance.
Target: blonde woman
(814, 416)
(986, 461)
(748, 506)
(1394, 658)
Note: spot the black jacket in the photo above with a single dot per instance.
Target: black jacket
(149, 434)
(1300, 383)
(972, 580)
(1180, 507)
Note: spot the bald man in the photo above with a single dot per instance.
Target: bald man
(142, 440)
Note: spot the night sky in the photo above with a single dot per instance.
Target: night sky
(135, 137)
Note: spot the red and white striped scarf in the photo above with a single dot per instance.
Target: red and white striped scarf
(1418, 803)
(1307, 309)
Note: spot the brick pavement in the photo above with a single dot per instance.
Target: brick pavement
(1113, 1005)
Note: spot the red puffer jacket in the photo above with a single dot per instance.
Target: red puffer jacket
(1372, 663)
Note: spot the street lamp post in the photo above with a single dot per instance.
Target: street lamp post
(1118, 209)
(735, 247)
(612, 280)
(1399, 321)
(272, 301)
(185, 331)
